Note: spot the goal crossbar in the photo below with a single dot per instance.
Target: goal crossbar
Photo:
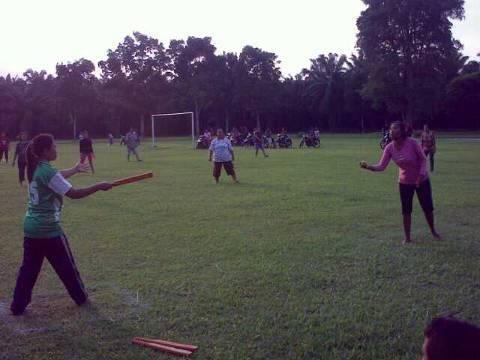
(174, 114)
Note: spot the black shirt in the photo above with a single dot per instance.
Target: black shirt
(20, 150)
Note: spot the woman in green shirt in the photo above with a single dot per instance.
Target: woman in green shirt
(43, 236)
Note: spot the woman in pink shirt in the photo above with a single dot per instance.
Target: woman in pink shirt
(413, 175)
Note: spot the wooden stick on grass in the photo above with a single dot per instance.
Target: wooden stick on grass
(164, 348)
(187, 347)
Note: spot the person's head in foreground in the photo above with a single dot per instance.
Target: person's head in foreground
(426, 128)
(220, 134)
(398, 130)
(23, 136)
(448, 338)
(85, 134)
(41, 148)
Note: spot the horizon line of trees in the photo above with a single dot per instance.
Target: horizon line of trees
(407, 66)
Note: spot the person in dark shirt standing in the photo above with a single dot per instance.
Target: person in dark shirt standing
(20, 151)
(258, 139)
(86, 150)
(132, 141)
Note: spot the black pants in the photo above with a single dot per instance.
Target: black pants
(424, 194)
(432, 161)
(21, 171)
(58, 253)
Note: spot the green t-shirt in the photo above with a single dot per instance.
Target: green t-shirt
(45, 200)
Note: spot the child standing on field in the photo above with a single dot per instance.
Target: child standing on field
(86, 150)
(132, 141)
(258, 139)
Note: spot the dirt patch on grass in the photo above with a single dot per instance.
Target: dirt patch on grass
(56, 310)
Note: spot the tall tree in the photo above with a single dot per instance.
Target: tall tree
(408, 44)
(461, 101)
(75, 88)
(135, 68)
(258, 78)
(12, 106)
(355, 79)
(193, 68)
(325, 86)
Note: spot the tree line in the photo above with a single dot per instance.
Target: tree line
(407, 66)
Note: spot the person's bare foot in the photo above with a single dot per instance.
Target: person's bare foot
(406, 241)
(436, 236)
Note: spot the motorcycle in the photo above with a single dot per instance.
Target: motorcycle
(309, 141)
(249, 140)
(284, 141)
(269, 142)
(202, 142)
(235, 140)
(386, 139)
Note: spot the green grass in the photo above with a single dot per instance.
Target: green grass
(302, 260)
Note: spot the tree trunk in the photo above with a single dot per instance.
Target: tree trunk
(362, 120)
(197, 118)
(73, 119)
(227, 120)
(24, 126)
(142, 125)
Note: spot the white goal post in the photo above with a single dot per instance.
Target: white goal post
(174, 114)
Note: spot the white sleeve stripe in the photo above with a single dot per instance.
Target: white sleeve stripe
(59, 184)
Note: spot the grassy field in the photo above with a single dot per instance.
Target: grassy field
(301, 260)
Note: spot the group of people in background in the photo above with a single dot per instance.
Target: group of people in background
(243, 137)
(131, 140)
(261, 140)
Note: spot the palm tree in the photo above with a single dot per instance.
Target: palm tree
(325, 85)
(355, 80)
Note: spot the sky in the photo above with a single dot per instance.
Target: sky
(39, 34)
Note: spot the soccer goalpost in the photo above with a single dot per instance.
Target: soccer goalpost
(173, 114)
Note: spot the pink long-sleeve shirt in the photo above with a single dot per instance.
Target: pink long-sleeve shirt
(410, 159)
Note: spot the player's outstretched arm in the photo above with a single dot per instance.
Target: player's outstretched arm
(84, 192)
(382, 165)
(78, 168)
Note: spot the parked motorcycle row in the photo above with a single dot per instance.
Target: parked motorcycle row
(280, 141)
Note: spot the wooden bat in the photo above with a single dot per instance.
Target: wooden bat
(187, 347)
(164, 348)
(132, 179)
